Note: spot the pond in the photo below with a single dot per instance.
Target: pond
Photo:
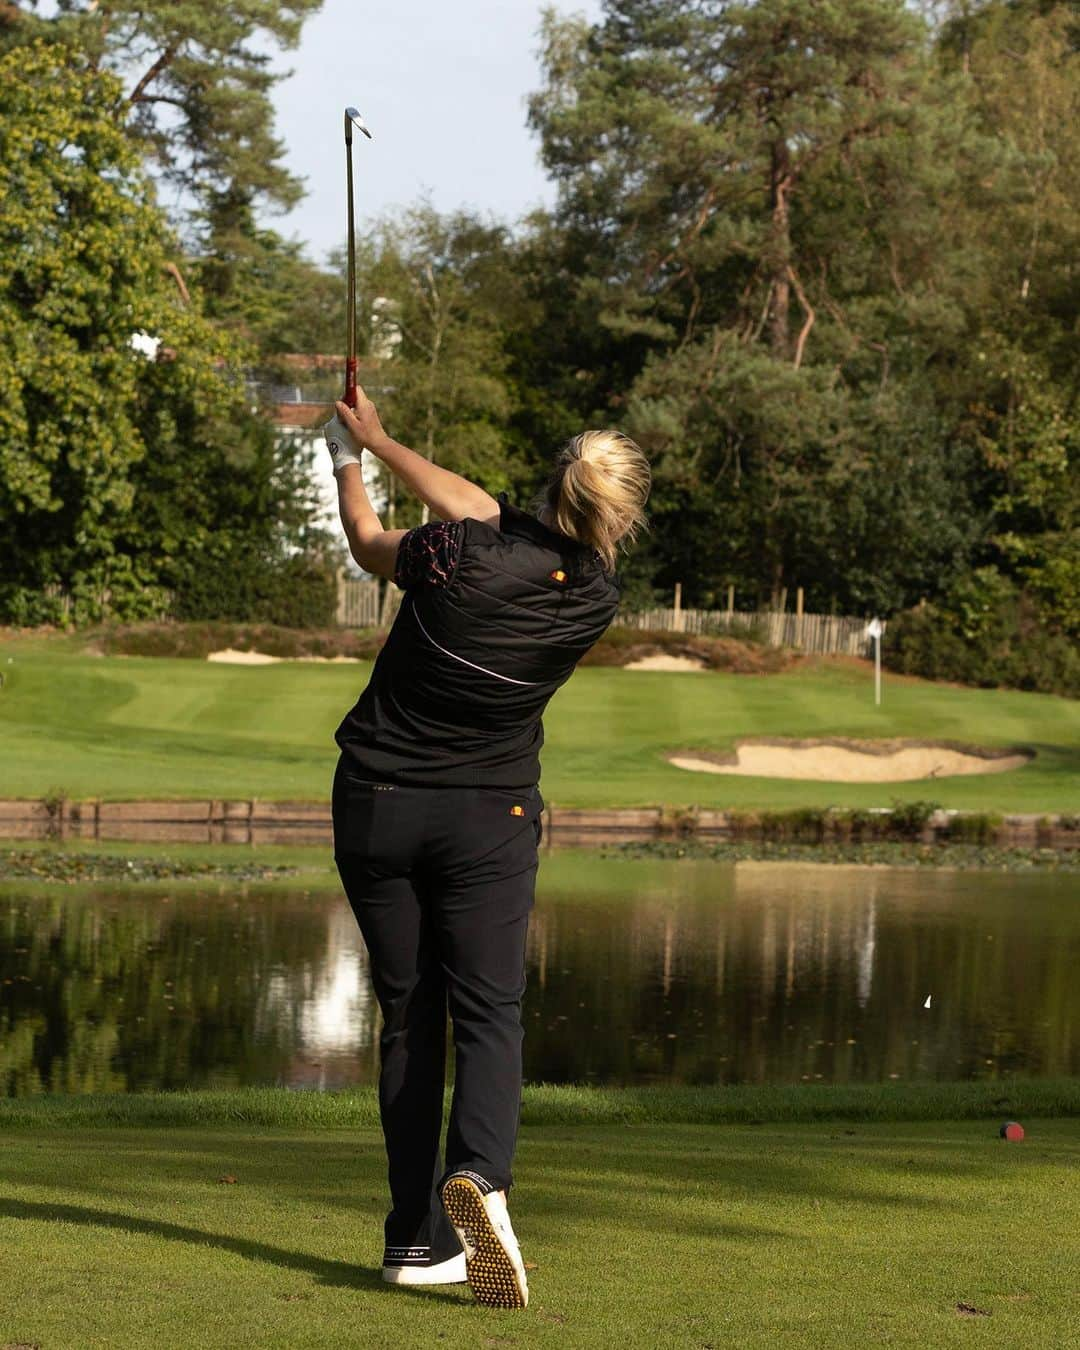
(638, 972)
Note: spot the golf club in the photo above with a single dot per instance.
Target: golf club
(352, 118)
(343, 449)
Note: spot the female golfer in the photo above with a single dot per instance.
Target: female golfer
(437, 813)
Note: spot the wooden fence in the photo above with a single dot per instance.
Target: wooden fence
(358, 602)
(369, 604)
(824, 633)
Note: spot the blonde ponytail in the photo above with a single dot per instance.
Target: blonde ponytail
(598, 491)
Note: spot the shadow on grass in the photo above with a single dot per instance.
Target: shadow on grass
(643, 1182)
(658, 1177)
(691, 1180)
(329, 1272)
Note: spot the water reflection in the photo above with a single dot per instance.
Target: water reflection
(637, 972)
(766, 973)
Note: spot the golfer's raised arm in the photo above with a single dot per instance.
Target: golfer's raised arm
(450, 496)
(374, 548)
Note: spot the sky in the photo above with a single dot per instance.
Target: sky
(443, 87)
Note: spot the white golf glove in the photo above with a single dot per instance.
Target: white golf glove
(343, 449)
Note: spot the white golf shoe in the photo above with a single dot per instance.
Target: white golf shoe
(412, 1265)
(496, 1272)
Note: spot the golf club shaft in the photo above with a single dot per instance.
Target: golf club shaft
(350, 318)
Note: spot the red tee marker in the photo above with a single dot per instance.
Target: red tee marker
(1012, 1131)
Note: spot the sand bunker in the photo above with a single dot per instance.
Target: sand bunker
(839, 760)
(230, 656)
(666, 662)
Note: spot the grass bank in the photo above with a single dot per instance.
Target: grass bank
(743, 651)
(79, 862)
(566, 1104)
(642, 1236)
(85, 862)
(956, 857)
(128, 727)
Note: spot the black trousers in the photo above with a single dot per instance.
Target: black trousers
(442, 882)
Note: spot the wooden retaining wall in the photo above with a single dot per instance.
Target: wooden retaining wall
(251, 821)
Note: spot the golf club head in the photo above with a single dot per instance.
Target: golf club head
(353, 118)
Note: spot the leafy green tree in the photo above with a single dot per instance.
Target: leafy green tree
(267, 291)
(118, 473)
(438, 293)
(758, 206)
(1021, 65)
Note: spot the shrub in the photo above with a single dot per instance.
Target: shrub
(198, 640)
(754, 631)
(909, 819)
(856, 824)
(246, 586)
(803, 825)
(619, 646)
(30, 607)
(975, 827)
(985, 632)
(120, 591)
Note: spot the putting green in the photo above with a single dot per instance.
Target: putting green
(135, 727)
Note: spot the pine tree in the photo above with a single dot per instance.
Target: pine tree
(197, 80)
(760, 201)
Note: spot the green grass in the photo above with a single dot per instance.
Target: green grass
(119, 727)
(566, 1104)
(583, 871)
(642, 1236)
(306, 862)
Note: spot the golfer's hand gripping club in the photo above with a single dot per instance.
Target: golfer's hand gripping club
(352, 430)
(363, 423)
(447, 494)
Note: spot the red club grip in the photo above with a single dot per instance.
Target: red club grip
(351, 365)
